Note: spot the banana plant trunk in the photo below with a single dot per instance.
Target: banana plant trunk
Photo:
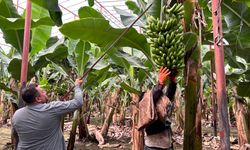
(214, 104)
(72, 136)
(137, 136)
(109, 117)
(107, 122)
(192, 129)
(224, 129)
(242, 115)
(191, 98)
(83, 128)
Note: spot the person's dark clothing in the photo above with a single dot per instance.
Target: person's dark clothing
(160, 131)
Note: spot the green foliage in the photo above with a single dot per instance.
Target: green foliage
(8, 9)
(190, 40)
(125, 60)
(53, 8)
(85, 12)
(130, 89)
(96, 77)
(18, 23)
(133, 7)
(13, 37)
(4, 58)
(127, 18)
(96, 30)
(231, 59)
(91, 3)
(243, 89)
(54, 54)
(155, 9)
(51, 41)
(40, 34)
(81, 56)
(14, 69)
(188, 8)
(6, 88)
(208, 56)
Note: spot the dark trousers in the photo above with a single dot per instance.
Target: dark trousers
(156, 148)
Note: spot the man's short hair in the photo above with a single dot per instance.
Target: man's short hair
(29, 93)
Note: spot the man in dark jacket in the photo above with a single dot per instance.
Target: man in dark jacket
(158, 135)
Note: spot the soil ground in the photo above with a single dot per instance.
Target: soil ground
(120, 137)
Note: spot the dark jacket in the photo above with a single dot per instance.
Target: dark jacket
(159, 126)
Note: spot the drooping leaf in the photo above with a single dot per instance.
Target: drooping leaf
(96, 30)
(141, 75)
(81, 56)
(51, 55)
(59, 53)
(6, 88)
(40, 34)
(85, 12)
(127, 18)
(130, 89)
(235, 75)
(91, 3)
(51, 41)
(96, 77)
(236, 13)
(142, 4)
(60, 69)
(231, 59)
(99, 66)
(4, 58)
(190, 39)
(247, 75)
(18, 23)
(155, 9)
(208, 56)
(53, 8)
(125, 60)
(243, 89)
(72, 46)
(188, 15)
(13, 37)
(8, 9)
(14, 69)
(237, 21)
(133, 7)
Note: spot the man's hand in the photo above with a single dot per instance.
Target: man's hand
(78, 82)
(162, 75)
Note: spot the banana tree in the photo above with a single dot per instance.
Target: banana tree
(55, 53)
(12, 27)
(5, 76)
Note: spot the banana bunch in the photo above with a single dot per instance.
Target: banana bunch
(166, 38)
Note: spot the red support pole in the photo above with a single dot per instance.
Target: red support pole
(26, 43)
(224, 130)
(17, 4)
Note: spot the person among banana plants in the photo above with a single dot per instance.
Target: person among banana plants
(158, 133)
(37, 125)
